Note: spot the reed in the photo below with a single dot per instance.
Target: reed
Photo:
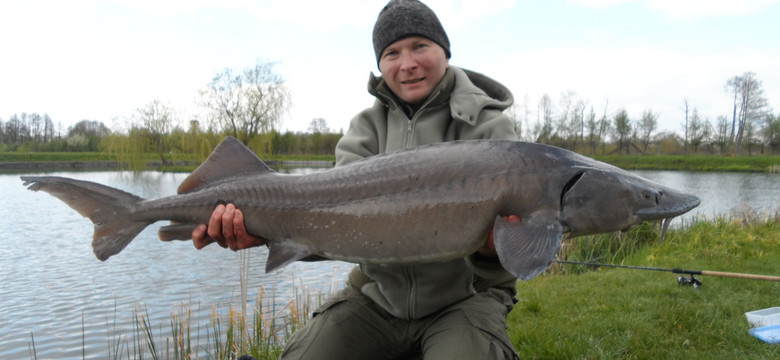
(610, 248)
(260, 333)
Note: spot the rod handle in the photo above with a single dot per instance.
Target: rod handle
(740, 275)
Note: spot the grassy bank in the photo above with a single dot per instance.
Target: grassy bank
(633, 162)
(694, 162)
(633, 314)
(101, 156)
(55, 156)
(11, 162)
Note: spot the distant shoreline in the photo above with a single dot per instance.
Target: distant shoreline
(114, 165)
(770, 164)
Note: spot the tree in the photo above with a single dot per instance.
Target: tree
(318, 126)
(750, 107)
(603, 126)
(685, 124)
(249, 103)
(88, 128)
(544, 126)
(580, 121)
(647, 125)
(771, 133)
(722, 134)
(15, 130)
(732, 87)
(592, 125)
(622, 130)
(156, 120)
(566, 127)
(85, 135)
(36, 127)
(699, 130)
(48, 128)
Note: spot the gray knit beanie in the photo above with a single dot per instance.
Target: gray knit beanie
(404, 18)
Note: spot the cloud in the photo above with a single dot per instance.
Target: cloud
(313, 15)
(320, 15)
(692, 9)
(455, 14)
(689, 9)
(600, 3)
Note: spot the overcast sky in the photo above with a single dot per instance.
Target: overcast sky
(101, 60)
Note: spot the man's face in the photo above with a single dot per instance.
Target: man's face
(412, 67)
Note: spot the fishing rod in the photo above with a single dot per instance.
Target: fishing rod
(682, 280)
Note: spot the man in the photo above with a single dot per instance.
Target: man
(447, 310)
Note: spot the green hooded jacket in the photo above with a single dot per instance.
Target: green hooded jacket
(464, 105)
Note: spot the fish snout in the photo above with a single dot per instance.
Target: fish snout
(665, 203)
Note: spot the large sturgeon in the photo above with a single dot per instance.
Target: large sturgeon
(430, 203)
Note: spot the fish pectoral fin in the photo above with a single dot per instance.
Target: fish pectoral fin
(527, 248)
(283, 252)
(176, 231)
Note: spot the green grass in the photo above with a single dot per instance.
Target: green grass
(102, 156)
(633, 162)
(184, 162)
(55, 156)
(693, 162)
(632, 314)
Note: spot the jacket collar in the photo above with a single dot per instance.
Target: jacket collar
(440, 94)
(468, 93)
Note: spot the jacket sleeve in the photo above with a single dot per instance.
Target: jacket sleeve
(491, 124)
(362, 138)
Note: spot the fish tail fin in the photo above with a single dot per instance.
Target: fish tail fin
(108, 208)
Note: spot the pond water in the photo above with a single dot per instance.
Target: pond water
(723, 193)
(56, 293)
(52, 284)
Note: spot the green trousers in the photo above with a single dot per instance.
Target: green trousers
(351, 326)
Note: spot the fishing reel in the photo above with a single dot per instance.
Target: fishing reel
(690, 281)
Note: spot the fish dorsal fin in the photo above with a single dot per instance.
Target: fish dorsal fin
(229, 158)
(527, 248)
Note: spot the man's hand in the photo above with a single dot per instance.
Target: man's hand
(226, 227)
(489, 249)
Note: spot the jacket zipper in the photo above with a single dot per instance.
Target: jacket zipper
(409, 130)
(410, 127)
(409, 269)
